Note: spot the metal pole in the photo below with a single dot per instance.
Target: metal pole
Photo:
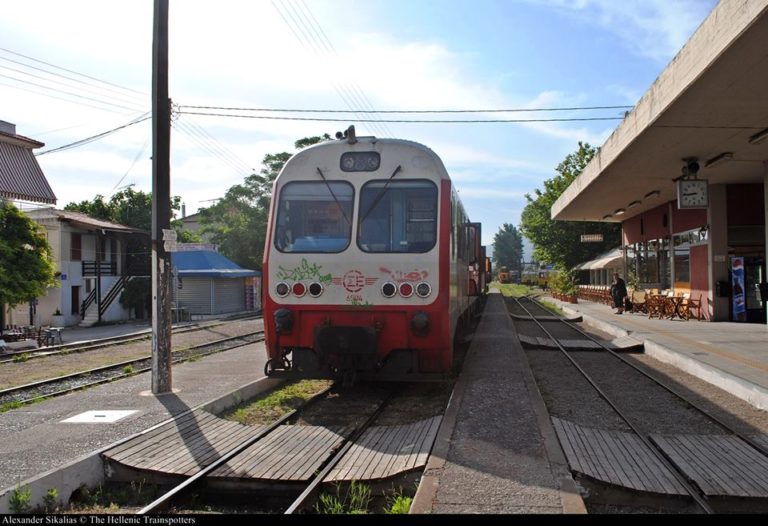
(161, 204)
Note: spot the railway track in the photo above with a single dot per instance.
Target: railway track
(305, 497)
(375, 434)
(559, 330)
(60, 385)
(91, 345)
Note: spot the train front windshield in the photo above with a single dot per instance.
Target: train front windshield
(314, 217)
(398, 216)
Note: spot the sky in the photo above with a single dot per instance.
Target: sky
(73, 70)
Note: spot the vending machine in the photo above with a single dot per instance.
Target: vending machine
(747, 274)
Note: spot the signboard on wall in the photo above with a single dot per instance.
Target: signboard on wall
(591, 238)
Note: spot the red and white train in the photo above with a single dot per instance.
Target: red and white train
(370, 263)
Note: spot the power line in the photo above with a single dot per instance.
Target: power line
(401, 121)
(69, 93)
(71, 71)
(507, 110)
(93, 138)
(322, 49)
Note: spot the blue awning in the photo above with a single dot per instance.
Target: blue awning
(208, 264)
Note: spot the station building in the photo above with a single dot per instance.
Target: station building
(687, 170)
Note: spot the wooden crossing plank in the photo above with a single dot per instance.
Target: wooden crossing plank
(182, 446)
(157, 437)
(384, 451)
(178, 449)
(615, 457)
(121, 448)
(761, 439)
(194, 446)
(145, 446)
(292, 452)
(237, 466)
(721, 465)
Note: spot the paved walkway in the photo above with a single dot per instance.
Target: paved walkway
(496, 451)
(732, 356)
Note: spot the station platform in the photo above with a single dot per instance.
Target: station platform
(55, 442)
(496, 451)
(732, 356)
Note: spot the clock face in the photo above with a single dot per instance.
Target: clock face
(692, 194)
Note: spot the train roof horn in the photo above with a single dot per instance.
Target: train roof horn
(349, 135)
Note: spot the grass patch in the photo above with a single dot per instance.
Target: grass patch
(278, 403)
(20, 358)
(354, 502)
(512, 289)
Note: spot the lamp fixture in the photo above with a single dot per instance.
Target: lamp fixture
(652, 193)
(607, 216)
(633, 204)
(759, 137)
(618, 212)
(718, 159)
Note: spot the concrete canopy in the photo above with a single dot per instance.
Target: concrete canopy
(709, 100)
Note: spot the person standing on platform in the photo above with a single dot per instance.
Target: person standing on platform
(618, 293)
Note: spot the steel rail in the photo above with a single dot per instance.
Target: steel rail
(165, 499)
(90, 345)
(695, 494)
(106, 368)
(315, 483)
(670, 389)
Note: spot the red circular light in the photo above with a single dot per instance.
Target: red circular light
(406, 290)
(299, 289)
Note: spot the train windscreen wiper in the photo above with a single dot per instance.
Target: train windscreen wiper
(334, 197)
(380, 194)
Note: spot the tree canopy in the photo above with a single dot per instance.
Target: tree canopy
(238, 221)
(26, 268)
(131, 208)
(559, 242)
(508, 248)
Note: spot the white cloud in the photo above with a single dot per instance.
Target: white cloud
(652, 28)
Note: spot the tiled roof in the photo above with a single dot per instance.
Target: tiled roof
(20, 175)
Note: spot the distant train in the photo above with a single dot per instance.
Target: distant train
(504, 276)
(538, 277)
(370, 263)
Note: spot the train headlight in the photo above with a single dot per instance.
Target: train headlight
(423, 289)
(406, 290)
(299, 289)
(283, 321)
(420, 321)
(315, 289)
(388, 289)
(282, 289)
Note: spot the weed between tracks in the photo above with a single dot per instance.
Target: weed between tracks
(275, 404)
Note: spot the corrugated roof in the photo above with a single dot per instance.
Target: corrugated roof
(83, 220)
(20, 175)
(208, 264)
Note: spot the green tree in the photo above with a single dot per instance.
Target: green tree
(508, 248)
(26, 268)
(559, 242)
(238, 221)
(131, 208)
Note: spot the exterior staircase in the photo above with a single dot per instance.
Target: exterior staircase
(89, 310)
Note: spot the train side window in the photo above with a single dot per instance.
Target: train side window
(398, 216)
(314, 217)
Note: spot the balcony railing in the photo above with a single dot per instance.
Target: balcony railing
(106, 268)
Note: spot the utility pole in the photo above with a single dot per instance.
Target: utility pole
(161, 204)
